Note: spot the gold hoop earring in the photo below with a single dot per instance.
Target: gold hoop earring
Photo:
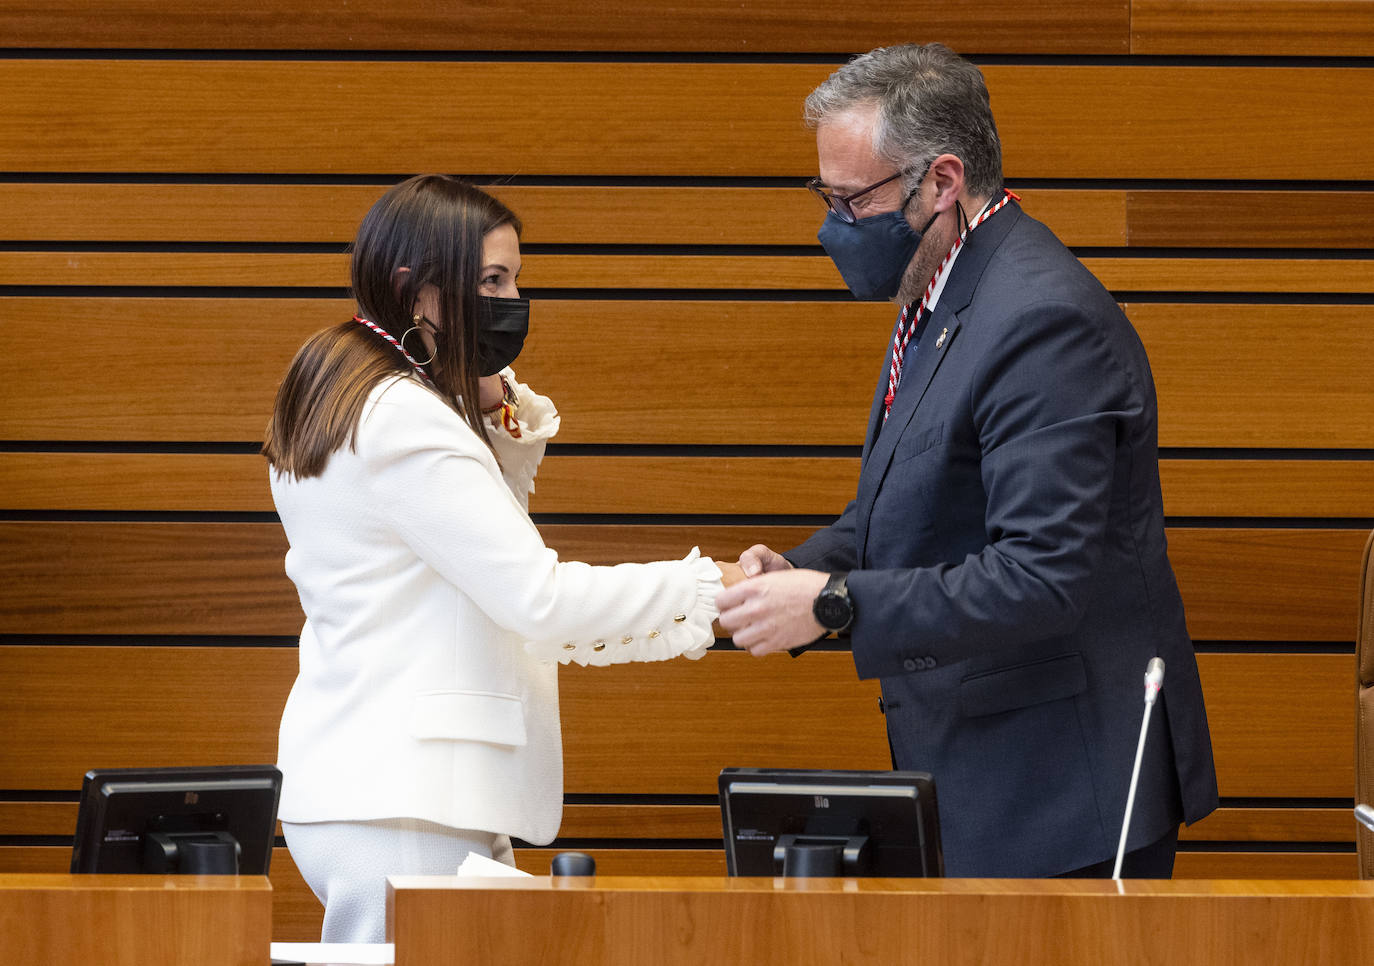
(417, 319)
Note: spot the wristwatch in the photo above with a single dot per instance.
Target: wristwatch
(833, 609)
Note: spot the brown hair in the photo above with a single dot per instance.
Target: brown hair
(432, 225)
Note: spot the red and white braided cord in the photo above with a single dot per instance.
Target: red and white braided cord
(905, 331)
(390, 338)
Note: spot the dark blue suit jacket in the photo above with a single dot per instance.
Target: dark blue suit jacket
(1010, 577)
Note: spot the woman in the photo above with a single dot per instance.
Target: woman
(423, 725)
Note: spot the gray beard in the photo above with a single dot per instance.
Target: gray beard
(922, 267)
(934, 246)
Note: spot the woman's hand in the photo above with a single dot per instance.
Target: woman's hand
(489, 391)
(729, 573)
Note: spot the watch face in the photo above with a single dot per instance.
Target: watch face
(832, 610)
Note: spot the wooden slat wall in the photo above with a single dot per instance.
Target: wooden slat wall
(652, 119)
(177, 189)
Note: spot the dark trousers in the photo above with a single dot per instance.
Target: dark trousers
(1153, 861)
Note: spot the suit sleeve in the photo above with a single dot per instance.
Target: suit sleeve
(440, 488)
(1048, 401)
(831, 548)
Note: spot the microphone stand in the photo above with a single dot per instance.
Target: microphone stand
(1154, 680)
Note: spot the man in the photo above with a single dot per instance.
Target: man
(1002, 570)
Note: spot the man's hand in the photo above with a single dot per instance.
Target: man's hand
(772, 612)
(758, 559)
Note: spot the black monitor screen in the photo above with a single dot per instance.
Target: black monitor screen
(802, 822)
(161, 821)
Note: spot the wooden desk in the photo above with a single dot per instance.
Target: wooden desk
(134, 920)
(613, 921)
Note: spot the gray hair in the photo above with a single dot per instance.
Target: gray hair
(930, 102)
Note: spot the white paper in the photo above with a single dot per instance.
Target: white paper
(476, 864)
(352, 954)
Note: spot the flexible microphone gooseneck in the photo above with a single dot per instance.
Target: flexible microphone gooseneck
(1154, 680)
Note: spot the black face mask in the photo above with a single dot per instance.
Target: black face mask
(502, 325)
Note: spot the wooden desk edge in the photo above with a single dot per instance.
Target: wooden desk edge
(134, 883)
(1172, 888)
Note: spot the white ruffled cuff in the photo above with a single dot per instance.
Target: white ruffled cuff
(520, 456)
(686, 634)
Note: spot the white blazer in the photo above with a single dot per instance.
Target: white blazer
(436, 619)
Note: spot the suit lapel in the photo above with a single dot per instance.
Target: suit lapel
(936, 340)
(875, 412)
(941, 328)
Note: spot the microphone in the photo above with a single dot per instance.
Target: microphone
(1154, 681)
(573, 863)
(1366, 816)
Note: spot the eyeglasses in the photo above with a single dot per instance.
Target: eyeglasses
(840, 204)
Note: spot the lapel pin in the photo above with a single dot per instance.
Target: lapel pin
(941, 341)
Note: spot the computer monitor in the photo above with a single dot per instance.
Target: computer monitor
(804, 822)
(217, 820)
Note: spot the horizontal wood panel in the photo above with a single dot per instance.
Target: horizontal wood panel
(227, 578)
(1312, 732)
(1266, 865)
(632, 729)
(616, 821)
(1271, 275)
(650, 119)
(1227, 578)
(565, 484)
(658, 271)
(1246, 375)
(1249, 219)
(1273, 825)
(658, 484)
(550, 214)
(1268, 488)
(989, 26)
(1227, 375)
(79, 708)
(222, 387)
(676, 215)
(166, 579)
(1299, 28)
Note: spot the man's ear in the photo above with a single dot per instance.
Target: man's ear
(947, 174)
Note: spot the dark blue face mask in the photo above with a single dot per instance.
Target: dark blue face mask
(872, 253)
